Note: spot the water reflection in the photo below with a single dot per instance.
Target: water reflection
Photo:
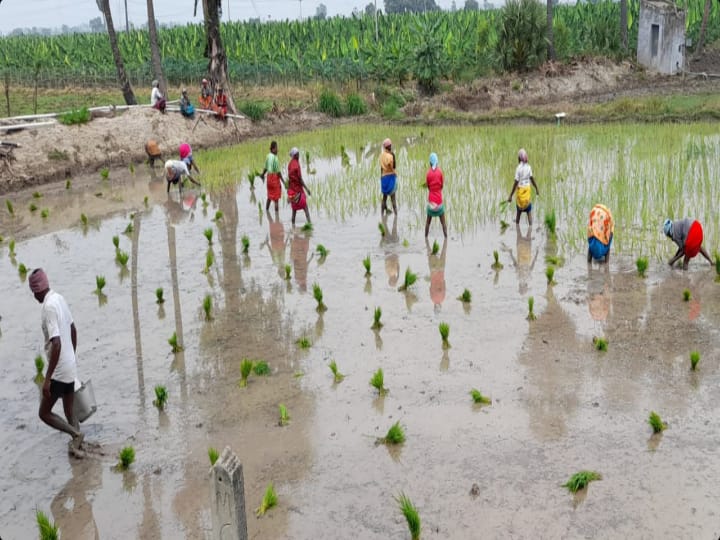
(389, 241)
(71, 509)
(276, 243)
(299, 248)
(523, 259)
(436, 264)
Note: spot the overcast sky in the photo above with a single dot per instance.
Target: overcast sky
(55, 13)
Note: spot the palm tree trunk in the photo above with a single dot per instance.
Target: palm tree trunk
(703, 29)
(214, 50)
(155, 48)
(128, 94)
(624, 25)
(550, 37)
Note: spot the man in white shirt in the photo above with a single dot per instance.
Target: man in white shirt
(157, 100)
(174, 171)
(60, 345)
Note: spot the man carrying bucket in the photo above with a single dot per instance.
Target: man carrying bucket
(688, 235)
(60, 345)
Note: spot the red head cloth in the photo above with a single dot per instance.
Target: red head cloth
(39, 281)
(185, 150)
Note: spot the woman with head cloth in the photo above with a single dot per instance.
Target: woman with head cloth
(157, 100)
(296, 187)
(688, 235)
(435, 207)
(601, 228)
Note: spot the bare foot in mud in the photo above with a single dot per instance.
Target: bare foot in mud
(75, 451)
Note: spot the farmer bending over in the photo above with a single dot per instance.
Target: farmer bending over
(174, 171)
(688, 235)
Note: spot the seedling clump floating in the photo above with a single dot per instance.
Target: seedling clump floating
(550, 274)
(22, 270)
(304, 343)
(288, 270)
(694, 359)
(466, 296)
(367, 265)
(308, 227)
(173, 342)
(395, 435)
(161, 395)
(497, 265)
(208, 234)
(246, 366)
(48, 530)
(377, 325)
(318, 295)
(116, 242)
(122, 257)
(99, 283)
(39, 366)
(261, 368)
(580, 480)
(531, 306)
(245, 243)
(207, 307)
(479, 398)
(284, 416)
(410, 279)
(686, 295)
(159, 296)
(658, 426)
(337, 376)
(378, 382)
(268, 501)
(411, 515)
(551, 222)
(601, 344)
(127, 457)
(642, 265)
(444, 329)
(213, 455)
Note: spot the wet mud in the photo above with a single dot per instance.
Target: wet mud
(558, 405)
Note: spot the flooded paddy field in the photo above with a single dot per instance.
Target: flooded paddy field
(558, 405)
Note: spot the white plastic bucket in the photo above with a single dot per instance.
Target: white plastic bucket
(84, 404)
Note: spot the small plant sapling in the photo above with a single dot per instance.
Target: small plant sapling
(435, 247)
(406, 242)
(497, 265)
(658, 426)
(48, 530)
(246, 366)
(687, 295)
(11, 247)
(245, 243)
(717, 266)
(551, 222)
(84, 220)
(104, 173)
(694, 360)
(99, 284)
(284, 416)
(410, 512)
(641, 263)
(337, 376)
(444, 329)
(367, 265)
(268, 501)
(322, 251)
(531, 306)
(173, 342)
(203, 198)
(304, 343)
(261, 368)
(68, 184)
(382, 229)
(39, 366)
(410, 279)
(308, 227)
(33, 207)
(122, 257)
(395, 435)
(218, 215)
(44, 213)
(207, 307)
(601, 344)
(555, 260)
(159, 296)
(213, 455)
(378, 382)
(209, 260)
(131, 168)
(503, 225)
(580, 480)
(550, 275)
(479, 398)
(161, 396)
(129, 229)
(37, 195)
(10, 207)
(22, 270)
(116, 242)
(466, 296)
(288, 271)
(126, 458)
(208, 234)
(377, 325)
(318, 295)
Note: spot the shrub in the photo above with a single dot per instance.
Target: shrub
(78, 116)
(254, 110)
(521, 40)
(427, 65)
(355, 105)
(329, 103)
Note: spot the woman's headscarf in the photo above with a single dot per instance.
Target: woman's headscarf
(433, 161)
(185, 150)
(667, 227)
(294, 151)
(39, 281)
(522, 155)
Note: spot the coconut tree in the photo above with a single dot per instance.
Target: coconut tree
(155, 48)
(128, 94)
(703, 29)
(550, 37)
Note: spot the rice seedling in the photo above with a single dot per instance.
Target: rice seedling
(496, 265)
(345, 158)
(658, 426)
(377, 325)
(337, 376)
(318, 295)
(218, 215)
(261, 368)
(84, 220)
(288, 270)
(126, 457)
(555, 260)
(382, 229)
(39, 365)
(367, 265)
(48, 530)
(444, 329)
(33, 207)
(131, 168)
(550, 275)
(173, 342)
(245, 243)
(146, 201)
(395, 435)
(687, 295)
(304, 343)
(466, 296)
(308, 227)
(208, 234)
(159, 296)
(129, 229)
(207, 307)
(378, 382)
(410, 279)
(322, 251)
(435, 247)
(44, 213)
(116, 242)
(406, 242)
(641, 263)
(209, 260)
(10, 207)
(503, 225)
(246, 366)
(99, 284)
(531, 306)
(105, 173)
(37, 195)
(161, 395)
(213, 454)
(601, 344)
(410, 512)
(551, 222)
(284, 419)
(479, 398)
(268, 501)
(122, 257)
(203, 198)
(11, 247)
(22, 270)
(580, 480)
(251, 178)
(694, 360)
(68, 184)
(717, 266)
(260, 209)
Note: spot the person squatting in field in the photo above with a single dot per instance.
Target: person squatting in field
(688, 235)
(521, 185)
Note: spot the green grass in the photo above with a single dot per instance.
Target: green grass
(99, 284)
(694, 360)
(268, 501)
(410, 512)
(322, 251)
(395, 435)
(580, 480)
(337, 376)
(47, 530)
(409, 280)
(551, 222)
(122, 257)
(288, 272)
(378, 382)
(641, 263)
(444, 329)
(479, 398)
(656, 423)
(207, 307)
(601, 344)
(466, 296)
(39, 365)
(330, 104)
(161, 396)
(245, 241)
(246, 366)
(159, 299)
(355, 105)
(261, 368)
(254, 110)
(208, 234)
(550, 275)
(687, 295)
(318, 295)
(173, 342)
(75, 117)
(367, 265)
(304, 343)
(377, 314)
(496, 265)
(126, 458)
(531, 309)
(213, 455)
(284, 419)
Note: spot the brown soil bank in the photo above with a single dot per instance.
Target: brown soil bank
(57, 152)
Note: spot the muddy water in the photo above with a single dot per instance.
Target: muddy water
(558, 405)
